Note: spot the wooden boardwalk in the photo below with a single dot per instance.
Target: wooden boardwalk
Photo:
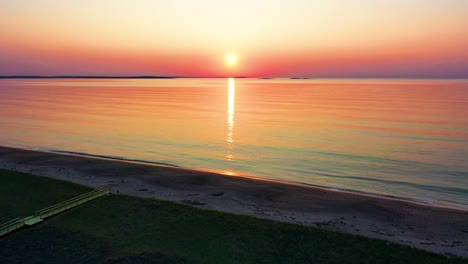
(42, 214)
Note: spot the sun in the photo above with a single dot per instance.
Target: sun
(231, 60)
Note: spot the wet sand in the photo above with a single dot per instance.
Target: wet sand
(436, 229)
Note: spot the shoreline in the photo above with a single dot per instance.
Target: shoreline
(244, 175)
(425, 226)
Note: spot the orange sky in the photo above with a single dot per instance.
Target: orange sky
(399, 38)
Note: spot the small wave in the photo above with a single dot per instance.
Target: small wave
(107, 157)
(429, 202)
(439, 189)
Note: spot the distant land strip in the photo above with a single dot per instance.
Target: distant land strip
(104, 77)
(88, 77)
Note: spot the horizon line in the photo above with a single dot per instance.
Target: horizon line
(200, 77)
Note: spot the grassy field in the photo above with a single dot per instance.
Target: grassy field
(122, 229)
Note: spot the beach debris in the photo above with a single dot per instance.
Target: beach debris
(143, 190)
(217, 194)
(193, 202)
(427, 243)
(385, 234)
(446, 245)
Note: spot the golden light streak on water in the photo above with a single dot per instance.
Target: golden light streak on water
(230, 125)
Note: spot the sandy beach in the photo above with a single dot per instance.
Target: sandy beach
(436, 229)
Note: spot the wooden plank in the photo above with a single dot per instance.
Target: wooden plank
(32, 220)
(40, 215)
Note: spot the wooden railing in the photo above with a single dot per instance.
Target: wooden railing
(42, 214)
(11, 226)
(63, 206)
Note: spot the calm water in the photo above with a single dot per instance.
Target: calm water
(404, 138)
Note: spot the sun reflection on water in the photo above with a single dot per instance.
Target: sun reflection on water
(230, 125)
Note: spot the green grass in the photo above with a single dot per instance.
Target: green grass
(122, 229)
(22, 194)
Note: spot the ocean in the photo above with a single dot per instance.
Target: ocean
(404, 138)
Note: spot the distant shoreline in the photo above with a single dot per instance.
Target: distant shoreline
(88, 77)
(422, 226)
(110, 77)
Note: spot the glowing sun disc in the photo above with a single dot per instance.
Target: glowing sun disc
(231, 59)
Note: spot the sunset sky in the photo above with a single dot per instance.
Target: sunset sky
(367, 38)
